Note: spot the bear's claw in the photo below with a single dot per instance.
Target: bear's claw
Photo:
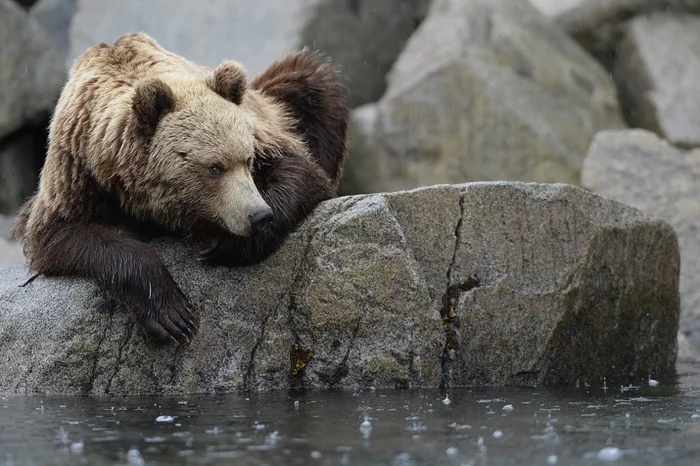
(175, 323)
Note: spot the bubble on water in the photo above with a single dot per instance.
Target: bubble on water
(214, 431)
(316, 455)
(296, 404)
(62, 436)
(508, 408)
(653, 383)
(366, 427)
(447, 400)
(182, 402)
(165, 419)
(258, 426)
(154, 439)
(451, 452)
(456, 426)
(134, 457)
(695, 416)
(609, 454)
(667, 421)
(416, 427)
(403, 459)
(272, 438)
(552, 459)
(497, 434)
(77, 447)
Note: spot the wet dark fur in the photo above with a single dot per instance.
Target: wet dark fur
(293, 186)
(110, 246)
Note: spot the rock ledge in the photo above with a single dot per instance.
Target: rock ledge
(473, 284)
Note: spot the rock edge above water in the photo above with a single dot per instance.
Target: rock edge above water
(472, 284)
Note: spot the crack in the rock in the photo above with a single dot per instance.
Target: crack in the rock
(118, 360)
(448, 314)
(458, 240)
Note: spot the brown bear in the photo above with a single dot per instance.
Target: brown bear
(144, 142)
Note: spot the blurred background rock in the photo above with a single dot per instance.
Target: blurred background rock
(443, 91)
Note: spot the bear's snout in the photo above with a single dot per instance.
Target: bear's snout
(260, 219)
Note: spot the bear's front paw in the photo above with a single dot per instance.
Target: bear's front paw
(219, 252)
(175, 322)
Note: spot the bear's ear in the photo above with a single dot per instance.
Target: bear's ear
(229, 81)
(152, 99)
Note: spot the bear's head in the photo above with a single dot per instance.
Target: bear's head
(200, 148)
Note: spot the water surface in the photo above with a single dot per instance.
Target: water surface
(657, 424)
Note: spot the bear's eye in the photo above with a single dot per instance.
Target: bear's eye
(182, 154)
(216, 170)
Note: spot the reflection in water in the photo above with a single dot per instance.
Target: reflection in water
(653, 424)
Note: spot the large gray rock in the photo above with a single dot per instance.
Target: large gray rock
(599, 25)
(489, 90)
(254, 33)
(31, 70)
(658, 74)
(485, 283)
(55, 17)
(363, 38)
(639, 169)
(10, 252)
(21, 157)
(554, 8)
(362, 172)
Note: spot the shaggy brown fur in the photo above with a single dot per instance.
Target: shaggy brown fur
(291, 185)
(144, 142)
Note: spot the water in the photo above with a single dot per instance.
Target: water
(657, 424)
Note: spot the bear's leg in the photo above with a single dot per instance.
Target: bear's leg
(318, 101)
(292, 186)
(126, 268)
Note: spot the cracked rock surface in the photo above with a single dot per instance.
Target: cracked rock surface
(473, 284)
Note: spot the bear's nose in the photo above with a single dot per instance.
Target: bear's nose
(260, 219)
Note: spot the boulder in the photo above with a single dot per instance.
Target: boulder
(253, 33)
(554, 8)
(26, 3)
(363, 38)
(658, 71)
(489, 91)
(473, 284)
(55, 17)
(10, 252)
(599, 25)
(362, 173)
(21, 157)
(639, 169)
(31, 70)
